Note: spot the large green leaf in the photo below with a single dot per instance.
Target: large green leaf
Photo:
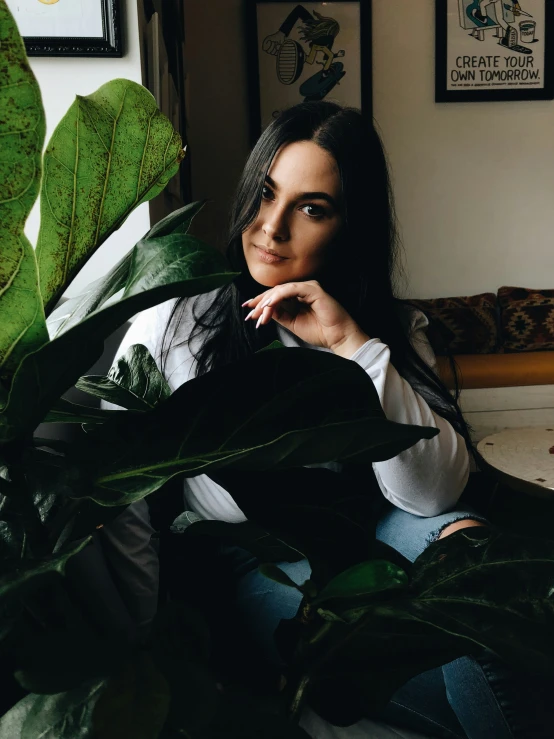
(18, 577)
(112, 150)
(135, 703)
(22, 322)
(246, 534)
(362, 582)
(64, 411)
(355, 667)
(61, 716)
(179, 266)
(494, 588)
(67, 658)
(75, 310)
(134, 382)
(476, 589)
(327, 516)
(273, 417)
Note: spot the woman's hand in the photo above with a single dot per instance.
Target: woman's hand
(311, 314)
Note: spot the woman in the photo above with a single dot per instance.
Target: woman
(313, 234)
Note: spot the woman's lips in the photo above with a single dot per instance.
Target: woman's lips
(267, 257)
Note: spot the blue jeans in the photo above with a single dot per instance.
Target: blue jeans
(469, 698)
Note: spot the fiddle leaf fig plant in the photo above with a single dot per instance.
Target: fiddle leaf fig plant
(23, 325)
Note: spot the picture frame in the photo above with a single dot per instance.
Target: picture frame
(494, 50)
(287, 65)
(76, 28)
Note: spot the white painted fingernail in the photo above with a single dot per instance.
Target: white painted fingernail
(266, 303)
(259, 321)
(248, 316)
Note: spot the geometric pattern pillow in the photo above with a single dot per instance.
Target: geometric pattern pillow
(527, 318)
(461, 325)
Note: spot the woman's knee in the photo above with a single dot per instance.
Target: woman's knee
(462, 523)
(411, 535)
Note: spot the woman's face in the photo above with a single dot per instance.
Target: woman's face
(299, 216)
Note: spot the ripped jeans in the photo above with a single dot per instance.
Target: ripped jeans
(469, 698)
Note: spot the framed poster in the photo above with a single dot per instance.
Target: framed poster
(307, 51)
(490, 50)
(69, 27)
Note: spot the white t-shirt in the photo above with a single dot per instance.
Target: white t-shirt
(425, 480)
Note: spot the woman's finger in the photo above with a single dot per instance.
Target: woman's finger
(265, 317)
(303, 291)
(256, 300)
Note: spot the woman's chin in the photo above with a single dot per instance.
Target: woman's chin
(269, 276)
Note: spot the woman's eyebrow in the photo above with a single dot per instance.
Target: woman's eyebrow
(306, 195)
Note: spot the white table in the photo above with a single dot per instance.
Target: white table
(523, 457)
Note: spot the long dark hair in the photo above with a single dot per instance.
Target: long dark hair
(362, 265)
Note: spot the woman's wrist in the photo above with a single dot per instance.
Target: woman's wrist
(350, 343)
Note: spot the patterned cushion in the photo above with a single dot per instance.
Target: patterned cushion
(527, 318)
(463, 325)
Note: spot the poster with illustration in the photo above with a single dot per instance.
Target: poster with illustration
(308, 51)
(77, 18)
(68, 27)
(494, 50)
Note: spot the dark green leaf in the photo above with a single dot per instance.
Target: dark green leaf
(274, 345)
(65, 659)
(274, 418)
(61, 716)
(23, 576)
(362, 581)
(357, 667)
(182, 268)
(134, 382)
(245, 534)
(493, 588)
(328, 517)
(472, 590)
(135, 704)
(181, 648)
(195, 697)
(277, 575)
(66, 412)
(177, 222)
(75, 310)
(180, 631)
(22, 324)
(111, 151)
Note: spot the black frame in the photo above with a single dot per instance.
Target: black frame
(109, 45)
(443, 95)
(253, 60)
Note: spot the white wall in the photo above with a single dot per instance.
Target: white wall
(60, 79)
(474, 182)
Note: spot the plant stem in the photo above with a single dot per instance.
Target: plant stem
(299, 698)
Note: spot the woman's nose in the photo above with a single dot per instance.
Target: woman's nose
(275, 226)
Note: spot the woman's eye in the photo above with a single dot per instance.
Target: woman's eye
(314, 211)
(266, 193)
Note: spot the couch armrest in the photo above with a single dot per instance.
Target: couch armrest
(499, 370)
